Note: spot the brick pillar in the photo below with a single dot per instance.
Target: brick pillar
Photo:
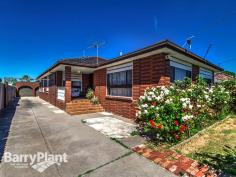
(67, 84)
(213, 75)
(59, 78)
(195, 72)
(34, 90)
(167, 71)
(136, 79)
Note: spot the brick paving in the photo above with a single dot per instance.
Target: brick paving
(174, 162)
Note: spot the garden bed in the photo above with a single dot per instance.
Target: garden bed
(184, 113)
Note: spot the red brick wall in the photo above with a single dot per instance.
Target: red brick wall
(195, 72)
(33, 85)
(147, 72)
(67, 84)
(52, 89)
(59, 78)
(55, 80)
(44, 96)
(60, 104)
(150, 72)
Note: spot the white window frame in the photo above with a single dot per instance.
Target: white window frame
(184, 66)
(205, 73)
(187, 67)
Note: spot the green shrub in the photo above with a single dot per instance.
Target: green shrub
(230, 86)
(178, 112)
(90, 94)
(94, 100)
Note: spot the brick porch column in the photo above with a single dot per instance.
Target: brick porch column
(59, 78)
(67, 84)
(195, 72)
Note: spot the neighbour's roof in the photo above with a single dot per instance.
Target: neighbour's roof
(91, 62)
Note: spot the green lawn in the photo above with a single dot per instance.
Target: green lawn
(215, 147)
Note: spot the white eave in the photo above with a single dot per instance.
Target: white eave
(74, 69)
(172, 55)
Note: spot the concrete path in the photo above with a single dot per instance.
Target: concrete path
(40, 127)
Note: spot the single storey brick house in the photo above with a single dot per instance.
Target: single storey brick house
(119, 82)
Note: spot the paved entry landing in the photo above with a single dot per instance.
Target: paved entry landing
(111, 127)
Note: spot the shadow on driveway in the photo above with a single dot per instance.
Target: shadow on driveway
(6, 116)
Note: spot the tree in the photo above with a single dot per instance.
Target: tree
(25, 78)
(230, 73)
(0, 80)
(10, 80)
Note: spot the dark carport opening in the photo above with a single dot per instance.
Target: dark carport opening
(25, 91)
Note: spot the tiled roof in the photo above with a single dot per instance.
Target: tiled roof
(86, 61)
(92, 61)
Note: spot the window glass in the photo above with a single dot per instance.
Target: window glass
(179, 74)
(207, 75)
(120, 83)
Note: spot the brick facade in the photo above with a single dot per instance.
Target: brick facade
(55, 80)
(52, 89)
(148, 72)
(67, 84)
(195, 72)
(44, 96)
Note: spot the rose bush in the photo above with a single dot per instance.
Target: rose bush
(230, 86)
(181, 110)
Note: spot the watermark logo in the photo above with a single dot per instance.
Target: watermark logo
(39, 161)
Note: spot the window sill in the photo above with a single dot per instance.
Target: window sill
(119, 98)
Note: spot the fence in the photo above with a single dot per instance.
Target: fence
(7, 94)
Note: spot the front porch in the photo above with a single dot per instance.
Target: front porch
(66, 88)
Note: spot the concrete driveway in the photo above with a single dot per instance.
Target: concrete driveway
(40, 127)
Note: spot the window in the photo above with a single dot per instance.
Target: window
(44, 84)
(119, 82)
(207, 75)
(179, 71)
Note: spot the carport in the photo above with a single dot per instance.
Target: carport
(27, 89)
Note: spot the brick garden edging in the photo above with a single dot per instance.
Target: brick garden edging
(175, 163)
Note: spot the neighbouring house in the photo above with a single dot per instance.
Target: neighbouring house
(221, 76)
(119, 82)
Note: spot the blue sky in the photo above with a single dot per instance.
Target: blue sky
(35, 34)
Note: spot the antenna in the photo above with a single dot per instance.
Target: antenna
(121, 53)
(97, 45)
(188, 42)
(208, 49)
